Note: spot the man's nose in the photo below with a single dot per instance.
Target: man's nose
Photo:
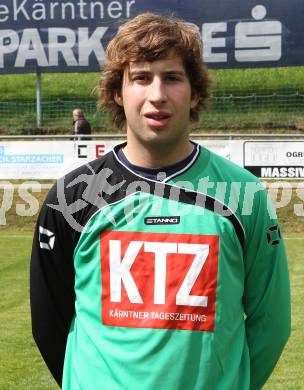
(157, 91)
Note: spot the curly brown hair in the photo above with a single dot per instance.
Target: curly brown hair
(149, 37)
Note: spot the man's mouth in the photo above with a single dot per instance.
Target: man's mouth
(157, 115)
(157, 118)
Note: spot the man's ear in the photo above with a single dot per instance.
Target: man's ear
(118, 99)
(194, 101)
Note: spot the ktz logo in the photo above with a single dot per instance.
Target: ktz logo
(46, 239)
(274, 235)
(159, 280)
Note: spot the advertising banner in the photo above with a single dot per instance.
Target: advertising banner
(275, 159)
(53, 159)
(71, 36)
(34, 160)
(47, 159)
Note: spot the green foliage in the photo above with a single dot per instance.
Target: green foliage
(259, 79)
(20, 87)
(82, 85)
(264, 98)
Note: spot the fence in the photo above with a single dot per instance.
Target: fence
(241, 99)
(227, 110)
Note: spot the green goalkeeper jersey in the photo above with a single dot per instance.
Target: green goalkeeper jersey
(173, 284)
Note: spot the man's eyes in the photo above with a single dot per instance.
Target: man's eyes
(147, 78)
(173, 77)
(140, 77)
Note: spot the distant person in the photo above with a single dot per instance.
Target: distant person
(80, 125)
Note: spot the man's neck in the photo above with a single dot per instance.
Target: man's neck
(156, 156)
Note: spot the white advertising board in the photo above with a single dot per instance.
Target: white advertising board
(230, 149)
(275, 159)
(33, 160)
(53, 159)
(47, 159)
(220, 147)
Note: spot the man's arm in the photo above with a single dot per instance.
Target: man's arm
(52, 286)
(266, 294)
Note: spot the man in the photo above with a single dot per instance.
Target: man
(80, 125)
(144, 274)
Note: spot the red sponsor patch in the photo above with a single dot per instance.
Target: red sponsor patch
(159, 280)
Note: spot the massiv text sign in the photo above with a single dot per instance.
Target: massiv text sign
(52, 36)
(275, 159)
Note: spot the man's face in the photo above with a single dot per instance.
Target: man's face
(157, 98)
(75, 116)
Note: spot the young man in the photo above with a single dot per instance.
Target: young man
(144, 274)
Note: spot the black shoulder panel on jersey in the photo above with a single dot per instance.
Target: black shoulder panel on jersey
(116, 179)
(107, 180)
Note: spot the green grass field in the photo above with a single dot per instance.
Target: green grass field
(21, 365)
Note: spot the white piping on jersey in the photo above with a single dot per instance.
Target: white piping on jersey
(187, 166)
(138, 192)
(104, 207)
(137, 174)
(173, 185)
(98, 211)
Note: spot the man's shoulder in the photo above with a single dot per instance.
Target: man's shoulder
(82, 120)
(79, 193)
(75, 180)
(78, 120)
(229, 170)
(92, 167)
(83, 124)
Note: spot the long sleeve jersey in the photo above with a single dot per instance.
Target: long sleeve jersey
(173, 284)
